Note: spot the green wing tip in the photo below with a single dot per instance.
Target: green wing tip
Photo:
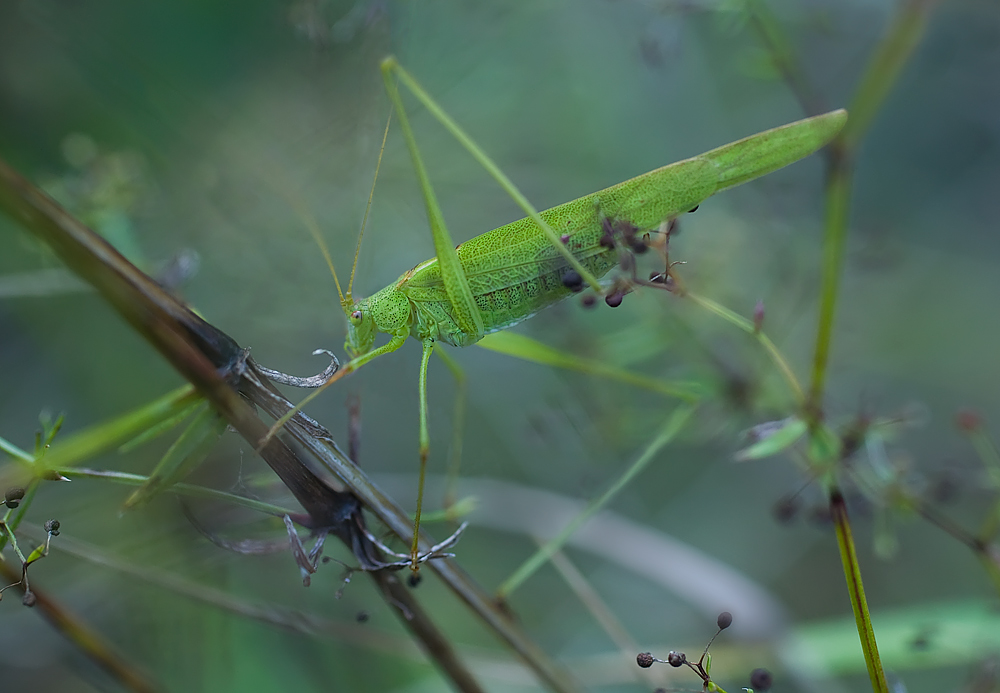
(836, 120)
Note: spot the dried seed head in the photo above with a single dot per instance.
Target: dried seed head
(29, 598)
(52, 527)
(676, 659)
(725, 620)
(786, 509)
(644, 660)
(761, 679)
(573, 281)
(638, 246)
(13, 497)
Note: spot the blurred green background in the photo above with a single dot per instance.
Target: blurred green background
(210, 128)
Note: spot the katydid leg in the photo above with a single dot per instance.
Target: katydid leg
(425, 446)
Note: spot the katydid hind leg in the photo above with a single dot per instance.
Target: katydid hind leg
(456, 284)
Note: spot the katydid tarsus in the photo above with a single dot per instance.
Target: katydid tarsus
(504, 276)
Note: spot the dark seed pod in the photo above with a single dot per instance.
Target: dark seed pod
(573, 281)
(52, 527)
(29, 598)
(676, 659)
(761, 679)
(588, 301)
(14, 493)
(644, 659)
(786, 509)
(614, 300)
(414, 579)
(725, 620)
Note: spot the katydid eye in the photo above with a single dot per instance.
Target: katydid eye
(356, 316)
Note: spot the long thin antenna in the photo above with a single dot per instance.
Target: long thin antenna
(364, 221)
(313, 228)
(301, 210)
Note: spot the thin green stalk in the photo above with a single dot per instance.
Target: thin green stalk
(180, 489)
(784, 58)
(763, 339)
(838, 201)
(855, 587)
(667, 433)
(890, 56)
(93, 440)
(17, 453)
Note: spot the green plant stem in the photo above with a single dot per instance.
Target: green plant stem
(667, 433)
(784, 58)
(855, 587)
(891, 55)
(765, 341)
(17, 453)
(883, 69)
(838, 201)
(180, 489)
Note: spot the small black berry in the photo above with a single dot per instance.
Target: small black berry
(29, 598)
(761, 680)
(12, 498)
(725, 620)
(676, 659)
(644, 659)
(614, 300)
(573, 281)
(786, 509)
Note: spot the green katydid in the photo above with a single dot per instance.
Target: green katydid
(506, 275)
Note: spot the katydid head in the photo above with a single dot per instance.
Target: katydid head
(361, 329)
